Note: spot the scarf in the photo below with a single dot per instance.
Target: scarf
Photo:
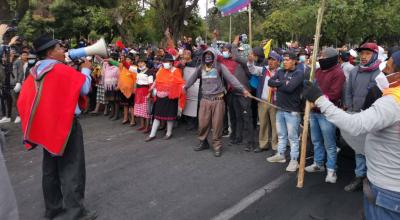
(126, 81)
(170, 82)
(328, 63)
(110, 74)
(393, 92)
(372, 65)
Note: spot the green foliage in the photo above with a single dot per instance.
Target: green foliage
(345, 21)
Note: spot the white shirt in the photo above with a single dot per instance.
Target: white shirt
(143, 79)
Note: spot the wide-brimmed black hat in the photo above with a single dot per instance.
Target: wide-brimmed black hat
(44, 42)
(168, 58)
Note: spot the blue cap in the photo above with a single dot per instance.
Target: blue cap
(274, 55)
(396, 58)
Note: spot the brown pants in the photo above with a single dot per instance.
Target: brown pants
(267, 117)
(211, 116)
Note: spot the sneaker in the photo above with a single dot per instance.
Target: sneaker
(293, 165)
(354, 185)
(314, 168)
(277, 158)
(17, 120)
(331, 176)
(5, 120)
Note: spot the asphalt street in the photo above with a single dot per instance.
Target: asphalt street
(128, 178)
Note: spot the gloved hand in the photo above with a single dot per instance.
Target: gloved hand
(17, 87)
(311, 91)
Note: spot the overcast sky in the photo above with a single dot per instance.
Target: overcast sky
(202, 6)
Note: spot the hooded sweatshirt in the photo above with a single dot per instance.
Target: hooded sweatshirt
(331, 82)
(237, 66)
(212, 82)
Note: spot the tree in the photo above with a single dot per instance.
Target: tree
(172, 14)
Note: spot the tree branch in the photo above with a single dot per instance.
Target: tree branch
(151, 4)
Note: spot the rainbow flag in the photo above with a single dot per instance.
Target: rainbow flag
(228, 7)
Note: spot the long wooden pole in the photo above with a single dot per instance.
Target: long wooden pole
(230, 28)
(300, 178)
(205, 40)
(250, 26)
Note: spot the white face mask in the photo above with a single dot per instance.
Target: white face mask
(167, 66)
(381, 81)
(141, 68)
(225, 54)
(31, 61)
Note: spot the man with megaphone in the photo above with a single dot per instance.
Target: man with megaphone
(50, 103)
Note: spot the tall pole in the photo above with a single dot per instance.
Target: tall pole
(230, 28)
(300, 178)
(250, 29)
(205, 40)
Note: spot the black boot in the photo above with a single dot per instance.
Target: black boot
(113, 110)
(355, 184)
(203, 145)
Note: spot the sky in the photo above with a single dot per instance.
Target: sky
(202, 6)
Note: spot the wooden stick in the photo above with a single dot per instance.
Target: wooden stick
(300, 177)
(250, 26)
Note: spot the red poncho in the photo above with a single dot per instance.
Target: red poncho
(47, 105)
(172, 83)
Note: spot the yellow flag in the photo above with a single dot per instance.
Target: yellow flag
(267, 48)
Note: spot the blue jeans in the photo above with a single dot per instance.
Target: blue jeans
(323, 137)
(386, 205)
(361, 166)
(287, 128)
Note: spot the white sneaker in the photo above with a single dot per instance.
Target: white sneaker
(314, 168)
(277, 158)
(331, 176)
(5, 120)
(293, 165)
(17, 120)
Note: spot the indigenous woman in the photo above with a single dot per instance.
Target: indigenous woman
(168, 89)
(126, 87)
(144, 81)
(111, 74)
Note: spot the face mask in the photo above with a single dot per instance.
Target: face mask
(225, 54)
(302, 59)
(382, 82)
(141, 68)
(167, 66)
(328, 63)
(31, 62)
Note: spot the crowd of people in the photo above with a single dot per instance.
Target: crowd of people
(213, 88)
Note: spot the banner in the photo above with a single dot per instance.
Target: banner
(228, 7)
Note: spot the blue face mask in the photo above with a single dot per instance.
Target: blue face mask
(302, 59)
(225, 54)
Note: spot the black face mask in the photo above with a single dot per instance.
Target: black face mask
(328, 62)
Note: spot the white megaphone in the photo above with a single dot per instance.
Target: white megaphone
(99, 48)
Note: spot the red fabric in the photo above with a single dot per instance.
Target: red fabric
(230, 64)
(120, 44)
(331, 83)
(55, 97)
(141, 95)
(170, 82)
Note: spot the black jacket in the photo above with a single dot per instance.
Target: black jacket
(289, 86)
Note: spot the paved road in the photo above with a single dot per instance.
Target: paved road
(130, 179)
